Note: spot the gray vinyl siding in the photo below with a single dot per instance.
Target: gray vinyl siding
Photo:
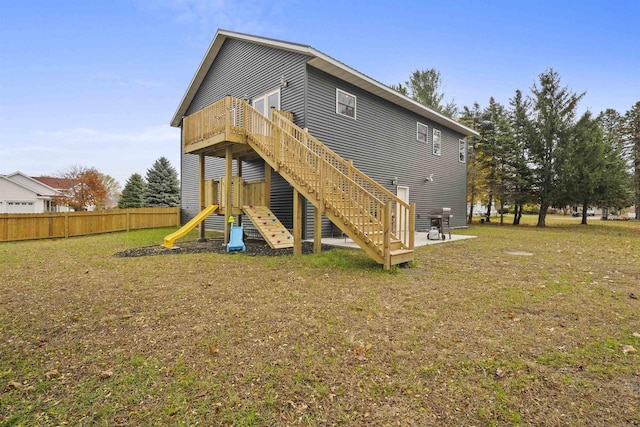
(243, 69)
(382, 143)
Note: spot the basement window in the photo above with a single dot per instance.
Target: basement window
(345, 104)
(437, 142)
(421, 133)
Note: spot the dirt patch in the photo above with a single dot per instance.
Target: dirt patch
(517, 252)
(255, 247)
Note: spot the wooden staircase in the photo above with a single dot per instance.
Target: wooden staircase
(373, 217)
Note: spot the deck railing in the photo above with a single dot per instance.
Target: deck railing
(224, 116)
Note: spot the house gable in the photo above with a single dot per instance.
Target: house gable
(33, 184)
(12, 190)
(318, 60)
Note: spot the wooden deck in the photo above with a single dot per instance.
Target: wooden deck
(363, 209)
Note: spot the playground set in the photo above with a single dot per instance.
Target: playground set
(376, 219)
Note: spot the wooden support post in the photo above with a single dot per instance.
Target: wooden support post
(298, 202)
(227, 193)
(267, 184)
(387, 236)
(412, 225)
(240, 196)
(317, 231)
(202, 197)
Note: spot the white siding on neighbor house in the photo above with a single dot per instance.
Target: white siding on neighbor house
(14, 198)
(32, 184)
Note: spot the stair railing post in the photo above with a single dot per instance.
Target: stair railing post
(227, 117)
(387, 236)
(412, 225)
(276, 149)
(321, 183)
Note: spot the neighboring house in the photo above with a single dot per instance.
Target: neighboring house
(61, 185)
(20, 193)
(66, 186)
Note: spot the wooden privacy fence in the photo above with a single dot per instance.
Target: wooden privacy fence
(69, 224)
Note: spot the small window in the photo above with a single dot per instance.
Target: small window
(462, 151)
(421, 134)
(437, 143)
(345, 104)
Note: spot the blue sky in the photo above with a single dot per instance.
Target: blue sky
(95, 82)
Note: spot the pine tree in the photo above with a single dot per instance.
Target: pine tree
(163, 188)
(471, 117)
(496, 151)
(424, 87)
(632, 136)
(521, 128)
(554, 110)
(133, 193)
(582, 159)
(617, 181)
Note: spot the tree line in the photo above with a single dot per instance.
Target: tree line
(89, 188)
(161, 187)
(536, 151)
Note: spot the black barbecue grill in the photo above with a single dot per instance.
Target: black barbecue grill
(441, 218)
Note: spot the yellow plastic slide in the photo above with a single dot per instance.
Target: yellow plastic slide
(168, 241)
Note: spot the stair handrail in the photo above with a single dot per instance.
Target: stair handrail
(273, 135)
(402, 211)
(346, 167)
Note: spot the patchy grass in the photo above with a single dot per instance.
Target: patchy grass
(469, 335)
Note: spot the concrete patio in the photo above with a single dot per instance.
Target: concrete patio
(420, 240)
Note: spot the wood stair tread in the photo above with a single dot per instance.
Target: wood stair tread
(401, 251)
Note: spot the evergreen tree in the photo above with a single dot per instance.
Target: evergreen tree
(496, 150)
(554, 110)
(617, 181)
(593, 170)
(424, 87)
(163, 188)
(475, 174)
(400, 88)
(632, 146)
(521, 128)
(582, 158)
(133, 193)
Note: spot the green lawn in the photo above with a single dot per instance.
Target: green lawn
(471, 334)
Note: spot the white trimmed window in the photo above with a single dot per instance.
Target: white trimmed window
(421, 132)
(345, 104)
(462, 151)
(437, 142)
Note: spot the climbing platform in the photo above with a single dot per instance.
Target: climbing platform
(270, 227)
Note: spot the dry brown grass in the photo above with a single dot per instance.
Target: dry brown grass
(470, 335)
